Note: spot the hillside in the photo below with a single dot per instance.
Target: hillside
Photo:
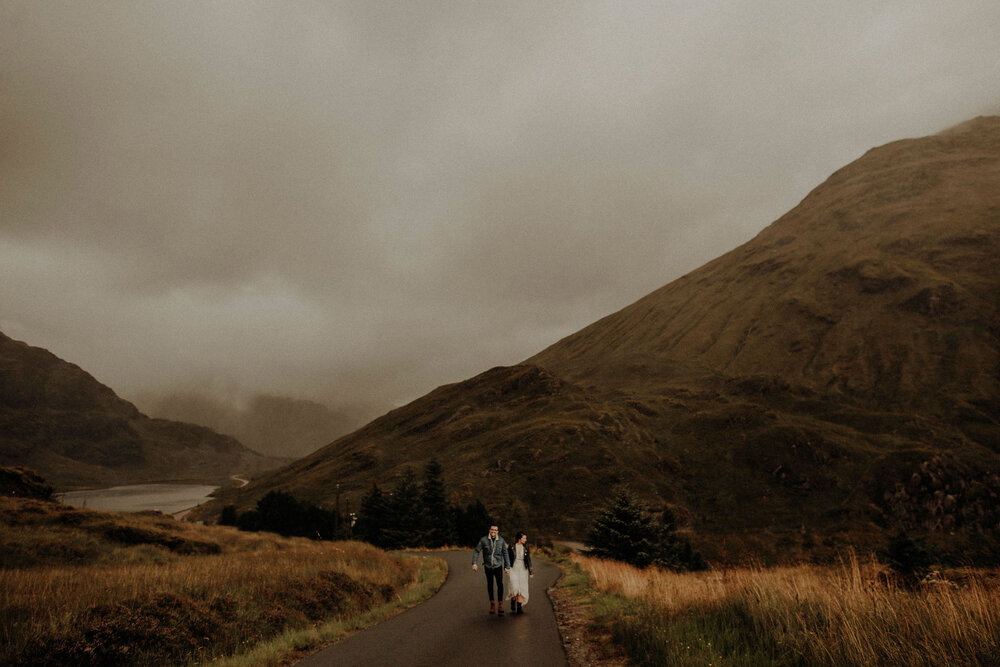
(834, 378)
(57, 419)
(879, 288)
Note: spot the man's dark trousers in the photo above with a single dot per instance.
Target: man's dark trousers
(491, 574)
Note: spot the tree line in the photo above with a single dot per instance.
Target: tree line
(280, 512)
(417, 513)
(414, 513)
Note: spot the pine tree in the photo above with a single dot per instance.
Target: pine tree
(624, 531)
(473, 522)
(372, 517)
(438, 516)
(403, 522)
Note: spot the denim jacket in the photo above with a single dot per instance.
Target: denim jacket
(494, 556)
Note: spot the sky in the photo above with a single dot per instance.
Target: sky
(357, 202)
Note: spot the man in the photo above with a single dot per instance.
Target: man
(495, 563)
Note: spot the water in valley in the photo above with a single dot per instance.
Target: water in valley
(167, 498)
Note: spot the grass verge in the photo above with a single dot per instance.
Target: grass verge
(577, 605)
(293, 645)
(799, 615)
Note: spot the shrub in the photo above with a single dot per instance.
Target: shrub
(228, 516)
(908, 558)
(23, 483)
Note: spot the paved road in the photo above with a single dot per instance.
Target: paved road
(453, 628)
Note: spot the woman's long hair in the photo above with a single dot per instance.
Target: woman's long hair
(517, 536)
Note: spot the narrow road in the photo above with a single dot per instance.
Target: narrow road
(453, 628)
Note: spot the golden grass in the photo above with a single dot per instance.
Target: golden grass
(239, 575)
(804, 614)
(142, 588)
(294, 643)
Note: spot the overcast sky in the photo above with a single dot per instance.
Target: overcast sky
(360, 201)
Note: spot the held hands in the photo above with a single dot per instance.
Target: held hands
(475, 568)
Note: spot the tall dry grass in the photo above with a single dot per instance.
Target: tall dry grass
(54, 592)
(188, 609)
(812, 615)
(85, 587)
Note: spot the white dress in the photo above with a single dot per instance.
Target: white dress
(519, 576)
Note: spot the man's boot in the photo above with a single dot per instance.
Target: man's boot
(500, 608)
(493, 607)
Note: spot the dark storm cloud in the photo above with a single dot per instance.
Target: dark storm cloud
(361, 201)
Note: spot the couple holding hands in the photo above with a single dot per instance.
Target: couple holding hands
(499, 557)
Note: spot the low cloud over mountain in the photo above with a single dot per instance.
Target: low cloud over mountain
(831, 379)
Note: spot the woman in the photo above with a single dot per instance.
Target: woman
(520, 572)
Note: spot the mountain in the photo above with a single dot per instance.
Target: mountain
(880, 287)
(832, 379)
(272, 425)
(58, 420)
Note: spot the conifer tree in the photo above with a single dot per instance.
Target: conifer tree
(438, 514)
(403, 525)
(372, 517)
(473, 522)
(624, 531)
(418, 514)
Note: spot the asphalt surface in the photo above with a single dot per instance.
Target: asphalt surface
(454, 628)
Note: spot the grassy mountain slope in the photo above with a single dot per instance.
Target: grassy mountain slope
(881, 287)
(831, 379)
(60, 421)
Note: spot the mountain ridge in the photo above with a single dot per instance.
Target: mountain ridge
(58, 420)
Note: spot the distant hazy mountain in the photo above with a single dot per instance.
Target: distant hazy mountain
(58, 420)
(272, 425)
(836, 377)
